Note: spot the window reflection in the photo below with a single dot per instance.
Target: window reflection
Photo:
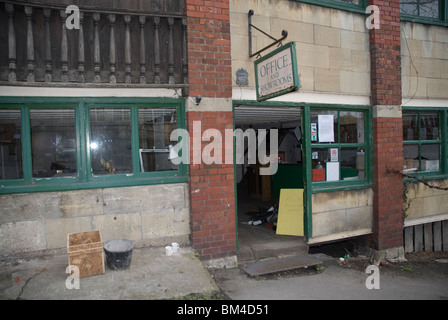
(155, 128)
(110, 141)
(10, 144)
(53, 142)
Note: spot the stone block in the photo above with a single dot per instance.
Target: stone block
(165, 224)
(118, 226)
(81, 203)
(414, 87)
(306, 78)
(30, 206)
(313, 55)
(327, 36)
(140, 199)
(316, 14)
(355, 82)
(437, 88)
(297, 31)
(341, 58)
(355, 40)
(326, 80)
(325, 223)
(341, 19)
(360, 61)
(21, 237)
(58, 229)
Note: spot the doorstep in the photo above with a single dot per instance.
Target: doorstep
(258, 251)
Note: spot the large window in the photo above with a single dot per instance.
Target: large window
(421, 8)
(155, 127)
(10, 144)
(53, 142)
(88, 144)
(422, 141)
(110, 141)
(339, 145)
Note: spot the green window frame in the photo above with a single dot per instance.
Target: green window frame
(419, 140)
(414, 11)
(84, 177)
(363, 150)
(361, 5)
(358, 6)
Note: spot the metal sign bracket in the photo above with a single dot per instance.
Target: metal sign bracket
(276, 41)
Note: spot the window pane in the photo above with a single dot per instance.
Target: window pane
(110, 141)
(11, 144)
(353, 164)
(422, 8)
(53, 142)
(429, 8)
(409, 7)
(411, 157)
(352, 127)
(350, 1)
(429, 126)
(410, 126)
(155, 127)
(430, 157)
(323, 128)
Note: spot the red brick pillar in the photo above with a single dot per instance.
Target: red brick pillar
(212, 196)
(387, 127)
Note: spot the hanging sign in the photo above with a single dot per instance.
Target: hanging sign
(276, 73)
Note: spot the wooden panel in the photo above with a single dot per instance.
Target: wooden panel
(445, 236)
(428, 237)
(409, 239)
(418, 238)
(437, 236)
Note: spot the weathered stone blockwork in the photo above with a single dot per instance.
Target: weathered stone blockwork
(149, 215)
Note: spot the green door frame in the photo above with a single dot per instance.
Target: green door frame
(306, 148)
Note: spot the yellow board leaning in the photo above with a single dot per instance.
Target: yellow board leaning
(290, 213)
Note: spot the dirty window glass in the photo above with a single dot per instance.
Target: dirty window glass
(10, 144)
(421, 136)
(53, 142)
(110, 141)
(422, 8)
(155, 127)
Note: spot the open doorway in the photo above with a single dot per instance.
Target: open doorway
(258, 195)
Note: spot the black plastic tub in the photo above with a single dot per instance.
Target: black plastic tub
(118, 254)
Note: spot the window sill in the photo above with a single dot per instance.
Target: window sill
(56, 186)
(423, 20)
(320, 187)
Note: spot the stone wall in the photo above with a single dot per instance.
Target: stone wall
(425, 202)
(332, 45)
(341, 214)
(424, 61)
(148, 215)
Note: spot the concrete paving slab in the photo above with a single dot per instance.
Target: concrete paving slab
(152, 276)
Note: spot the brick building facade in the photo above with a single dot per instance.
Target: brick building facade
(373, 82)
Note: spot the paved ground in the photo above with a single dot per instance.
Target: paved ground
(419, 278)
(152, 275)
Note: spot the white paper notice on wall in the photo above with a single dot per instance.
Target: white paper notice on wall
(332, 171)
(326, 128)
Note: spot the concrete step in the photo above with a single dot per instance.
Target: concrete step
(258, 251)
